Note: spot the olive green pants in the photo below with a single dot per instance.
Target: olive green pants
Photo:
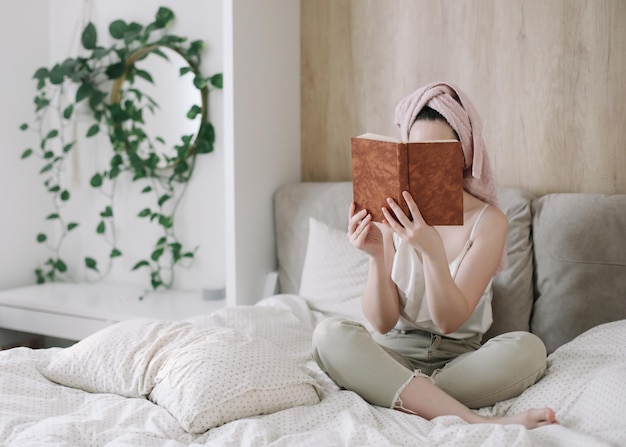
(378, 367)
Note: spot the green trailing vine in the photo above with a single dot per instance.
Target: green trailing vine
(103, 81)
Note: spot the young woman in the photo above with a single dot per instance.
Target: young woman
(428, 293)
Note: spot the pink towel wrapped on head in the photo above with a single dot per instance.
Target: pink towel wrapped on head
(455, 106)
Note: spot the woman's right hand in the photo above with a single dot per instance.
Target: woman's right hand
(363, 233)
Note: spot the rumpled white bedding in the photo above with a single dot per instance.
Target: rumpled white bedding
(585, 384)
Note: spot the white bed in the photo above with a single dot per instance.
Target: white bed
(584, 383)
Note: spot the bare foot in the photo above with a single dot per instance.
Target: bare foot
(535, 417)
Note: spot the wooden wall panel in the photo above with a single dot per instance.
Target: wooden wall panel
(548, 77)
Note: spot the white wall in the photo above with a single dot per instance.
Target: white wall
(262, 130)
(23, 37)
(228, 208)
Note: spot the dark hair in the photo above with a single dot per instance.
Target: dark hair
(428, 114)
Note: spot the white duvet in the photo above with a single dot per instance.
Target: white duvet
(585, 384)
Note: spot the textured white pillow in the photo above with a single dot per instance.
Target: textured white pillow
(123, 358)
(203, 376)
(226, 375)
(334, 272)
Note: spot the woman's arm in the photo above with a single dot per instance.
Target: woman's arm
(452, 301)
(380, 302)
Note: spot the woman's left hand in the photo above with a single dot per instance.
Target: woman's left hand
(415, 232)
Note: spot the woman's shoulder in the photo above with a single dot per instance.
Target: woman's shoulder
(491, 217)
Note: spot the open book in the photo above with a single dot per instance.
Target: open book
(432, 171)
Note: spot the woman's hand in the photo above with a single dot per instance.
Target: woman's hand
(416, 232)
(363, 233)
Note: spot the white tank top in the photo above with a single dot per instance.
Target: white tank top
(407, 273)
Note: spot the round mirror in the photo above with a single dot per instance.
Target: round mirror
(160, 110)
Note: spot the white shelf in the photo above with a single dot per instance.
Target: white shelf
(74, 311)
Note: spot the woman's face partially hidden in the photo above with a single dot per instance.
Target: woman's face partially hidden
(427, 130)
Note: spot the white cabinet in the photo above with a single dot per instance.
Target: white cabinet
(74, 311)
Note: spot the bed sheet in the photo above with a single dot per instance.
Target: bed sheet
(584, 384)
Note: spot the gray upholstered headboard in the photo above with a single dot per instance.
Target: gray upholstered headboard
(293, 205)
(329, 202)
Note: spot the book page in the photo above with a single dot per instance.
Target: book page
(374, 136)
(378, 137)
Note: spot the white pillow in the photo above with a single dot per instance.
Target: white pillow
(123, 358)
(203, 376)
(334, 272)
(226, 375)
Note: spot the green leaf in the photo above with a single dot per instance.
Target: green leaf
(96, 99)
(181, 167)
(199, 82)
(188, 255)
(67, 113)
(115, 253)
(117, 29)
(41, 103)
(46, 168)
(65, 195)
(94, 129)
(195, 48)
(84, 91)
(145, 75)
(91, 263)
(100, 52)
(52, 134)
(41, 74)
(202, 147)
(146, 189)
(144, 212)
(48, 155)
(207, 132)
(89, 37)
(217, 81)
(27, 153)
(68, 66)
(60, 266)
(71, 226)
(68, 147)
(166, 221)
(24, 126)
(156, 282)
(114, 172)
(101, 228)
(41, 237)
(117, 161)
(132, 32)
(108, 212)
(164, 198)
(40, 276)
(96, 180)
(164, 17)
(194, 111)
(55, 188)
(141, 264)
(52, 216)
(156, 254)
(184, 70)
(116, 70)
(57, 74)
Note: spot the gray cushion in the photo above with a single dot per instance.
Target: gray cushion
(580, 262)
(293, 205)
(513, 287)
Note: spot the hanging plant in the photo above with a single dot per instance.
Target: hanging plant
(107, 82)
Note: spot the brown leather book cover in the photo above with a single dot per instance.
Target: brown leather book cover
(432, 171)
